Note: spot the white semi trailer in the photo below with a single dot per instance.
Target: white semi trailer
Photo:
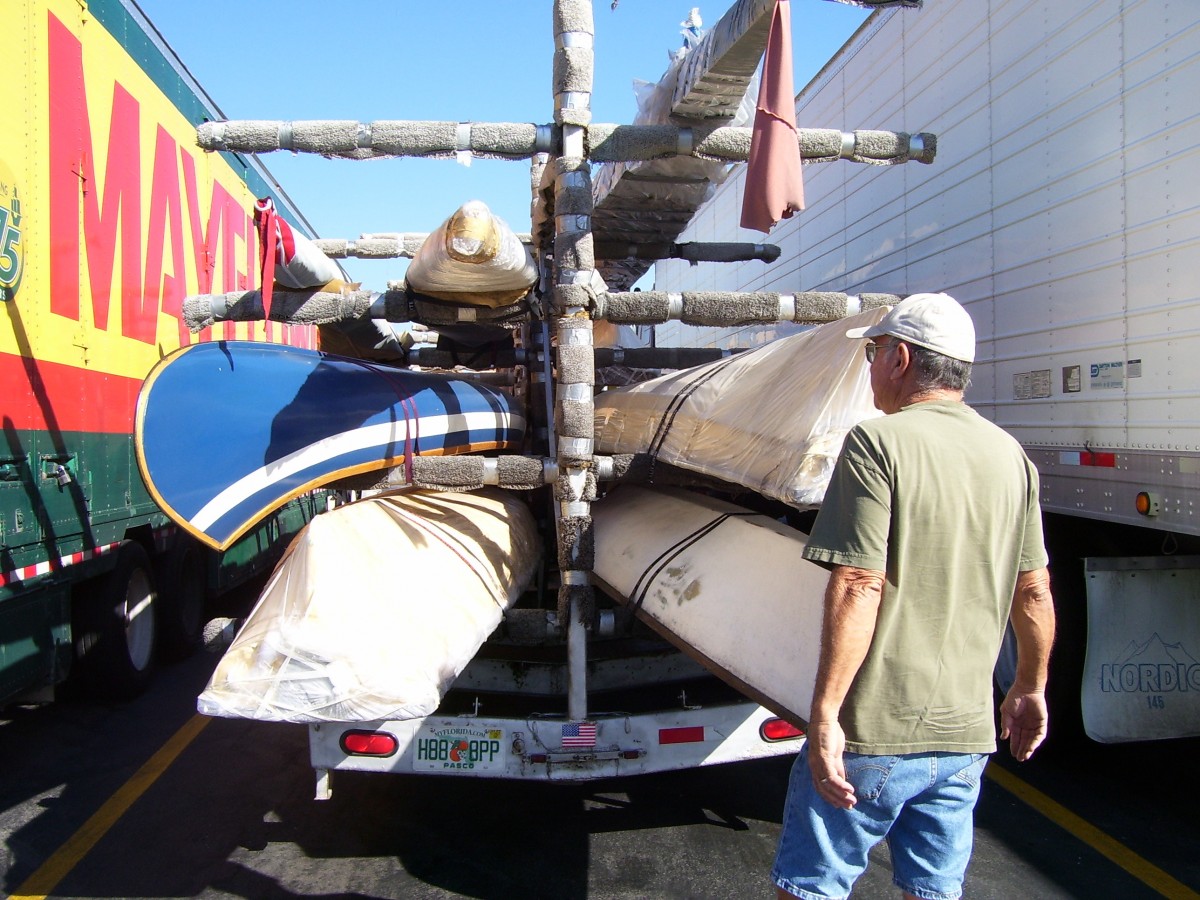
(1064, 212)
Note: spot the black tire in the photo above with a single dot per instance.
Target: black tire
(116, 629)
(182, 598)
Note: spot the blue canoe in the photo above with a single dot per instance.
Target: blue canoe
(227, 432)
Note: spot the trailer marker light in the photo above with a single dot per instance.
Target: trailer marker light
(631, 754)
(775, 730)
(687, 735)
(537, 757)
(1147, 503)
(369, 743)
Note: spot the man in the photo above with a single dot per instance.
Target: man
(932, 532)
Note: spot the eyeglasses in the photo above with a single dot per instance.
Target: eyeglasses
(872, 349)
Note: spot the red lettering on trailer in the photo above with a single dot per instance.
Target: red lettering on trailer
(166, 214)
(72, 172)
(113, 209)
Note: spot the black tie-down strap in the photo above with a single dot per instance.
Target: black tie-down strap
(638, 595)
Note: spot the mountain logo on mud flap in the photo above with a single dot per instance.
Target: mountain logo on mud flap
(1152, 668)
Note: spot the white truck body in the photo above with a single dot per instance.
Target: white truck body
(1062, 212)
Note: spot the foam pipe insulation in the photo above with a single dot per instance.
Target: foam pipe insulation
(519, 473)
(365, 140)
(402, 246)
(397, 304)
(723, 309)
(296, 307)
(711, 308)
(574, 244)
(629, 143)
(574, 59)
(574, 263)
(573, 399)
(506, 140)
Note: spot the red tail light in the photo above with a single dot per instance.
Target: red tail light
(369, 743)
(774, 730)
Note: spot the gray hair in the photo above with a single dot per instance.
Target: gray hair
(935, 371)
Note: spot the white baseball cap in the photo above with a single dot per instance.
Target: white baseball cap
(936, 322)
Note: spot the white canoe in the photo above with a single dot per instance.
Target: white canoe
(727, 586)
(474, 258)
(772, 420)
(377, 607)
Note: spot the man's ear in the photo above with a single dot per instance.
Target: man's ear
(901, 361)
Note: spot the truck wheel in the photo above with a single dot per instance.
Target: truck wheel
(116, 630)
(181, 599)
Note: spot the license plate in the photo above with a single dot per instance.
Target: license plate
(445, 748)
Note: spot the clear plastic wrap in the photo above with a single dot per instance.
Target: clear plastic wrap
(473, 257)
(648, 206)
(772, 420)
(376, 608)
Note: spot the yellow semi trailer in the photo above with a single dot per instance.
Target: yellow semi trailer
(109, 216)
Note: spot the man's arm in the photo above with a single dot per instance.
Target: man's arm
(851, 608)
(1023, 715)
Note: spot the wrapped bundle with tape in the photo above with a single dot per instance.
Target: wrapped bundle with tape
(473, 258)
(297, 262)
(772, 420)
(377, 607)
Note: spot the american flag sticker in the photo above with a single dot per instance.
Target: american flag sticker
(578, 734)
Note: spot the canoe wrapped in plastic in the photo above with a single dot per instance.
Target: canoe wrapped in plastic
(474, 258)
(729, 587)
(377, 607)
(772, 419)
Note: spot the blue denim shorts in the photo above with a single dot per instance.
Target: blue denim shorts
(922, 803)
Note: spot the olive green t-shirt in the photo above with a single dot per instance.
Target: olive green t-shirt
(945, 503)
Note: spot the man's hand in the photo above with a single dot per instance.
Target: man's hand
(1023, 722)
(826, 744)
(1023, 717)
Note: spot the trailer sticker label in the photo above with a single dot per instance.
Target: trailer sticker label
(1108, 376)
(460, 747)
(1072, 380)
(1031, 385)
(12, 248)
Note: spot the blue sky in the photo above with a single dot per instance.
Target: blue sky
(455, 60)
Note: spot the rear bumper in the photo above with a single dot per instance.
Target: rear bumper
(548, 749)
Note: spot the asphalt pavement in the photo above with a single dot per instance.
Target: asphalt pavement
(147, 799)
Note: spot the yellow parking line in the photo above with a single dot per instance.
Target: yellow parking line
(48, 875)
(1141, 869)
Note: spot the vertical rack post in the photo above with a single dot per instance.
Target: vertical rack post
(574, 269)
